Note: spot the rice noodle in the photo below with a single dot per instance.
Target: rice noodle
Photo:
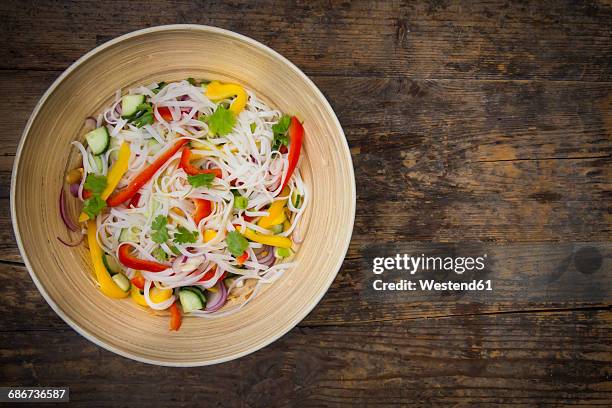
(250, 167)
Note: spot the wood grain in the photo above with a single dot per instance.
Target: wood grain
(557, 358)
(559, 40)
(523, 277)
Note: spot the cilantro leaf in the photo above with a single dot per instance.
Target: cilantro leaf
(93, 206)
(199, 180)
(160, 254)
(145, 119)
(221, 122)
(184, 236)
(142, 116)
(236, 243)
(191, 81)
(160, 86)
(95, 184)
(161, 230)
(279, 130)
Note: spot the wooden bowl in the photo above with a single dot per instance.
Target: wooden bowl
(63, 275)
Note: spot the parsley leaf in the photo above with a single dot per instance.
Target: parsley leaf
(161, 230)
(142, 116)
(160, 85)
(160, 254)
(236, 243)
(200, 180)
(93, 206)
(95, 184)
(280, 132)
(184, 236)
(221, 122)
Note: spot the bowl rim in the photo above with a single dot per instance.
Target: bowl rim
(90, 336)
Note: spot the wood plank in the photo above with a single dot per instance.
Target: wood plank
(523, 277)
(505, 360)
(30, 86)
(8, 246)
(510, 161)
(560, 40)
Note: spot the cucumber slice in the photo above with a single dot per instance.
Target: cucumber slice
(277, 229)
(98, 162)
(122, 281)
(111, 264)
(129, 104)
(281, 253)
(98, 140)
(129, 235)
(296, 200)
(114, 144)
(190, 300)
(198, 292)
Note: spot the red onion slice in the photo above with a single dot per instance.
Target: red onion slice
(74, 189)
(64, 213)
(269, 259)
(216, 300)
(91, 123)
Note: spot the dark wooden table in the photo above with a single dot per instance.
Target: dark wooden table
(475, 127)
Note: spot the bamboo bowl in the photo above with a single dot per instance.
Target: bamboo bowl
(63, 275)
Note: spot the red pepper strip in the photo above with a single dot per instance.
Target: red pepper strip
(176, 317)
(203, 208)
(193, 170)
(144, 176)
(209, 275)
(296, 134)
(86, 194)
(138, 281)
(131, 261)
(247, 218)
(134, 201)
(242, 258)
(165, 113)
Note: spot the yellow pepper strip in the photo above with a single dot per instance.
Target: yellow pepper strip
(107, 285)
(159, 295)
(273, 240)
(177, 211)
(277, 212)
(209, 235)
(138, 297)
(117, 171)
(217, 91)
(114, 175)
(286, 226)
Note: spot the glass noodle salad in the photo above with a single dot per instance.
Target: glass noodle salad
(191, 197)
